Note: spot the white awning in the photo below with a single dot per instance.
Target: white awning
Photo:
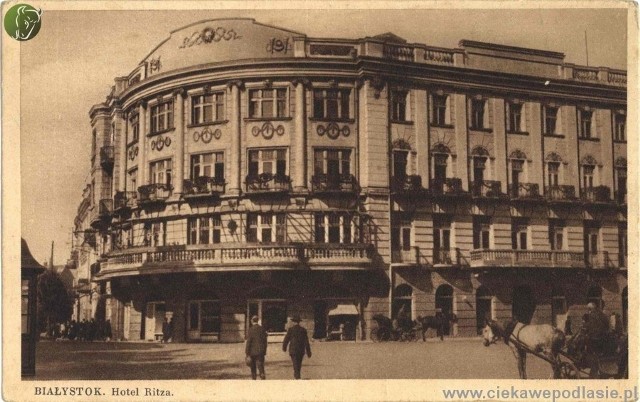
(344, 309)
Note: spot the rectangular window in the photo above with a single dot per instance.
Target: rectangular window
(519, 234)
(401, 234)
(591, 238)
(550, 120)
(440, 113)
(441, 233)
(207, 165)
(160, 172)
(331, 103)
(400, 161)
(266, 228)
(335, 227)
(587, 176)
(620, 127)
(272, 161)
(332, 162)
(479, 114)
(132, 180)
(207, 108)
(161, 117)
(399, 105)
(268, 103)
(481, 232)
(515, 118)
(154, 234)
(553, 172)
(585, 118)
(134, 122)
(556, 234)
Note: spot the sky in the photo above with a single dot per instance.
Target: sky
(70, 66)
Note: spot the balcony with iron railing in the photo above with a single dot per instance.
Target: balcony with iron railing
(203, 186)
(524, 191)
(406, 184)
(451, 186)
(486, 189)
(406, 255)
(124, 200)
(268, 183)
(561, 193)
(106, 157)
(526, 258)
(156, 192)
(596, 195)
(449, 257)
(238, 256)
(325, 183)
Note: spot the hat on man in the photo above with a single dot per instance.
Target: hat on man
(591, 306)
(255, 319)
(295, 318)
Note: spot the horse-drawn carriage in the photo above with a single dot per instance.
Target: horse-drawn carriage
(569, 358)
(387, 330)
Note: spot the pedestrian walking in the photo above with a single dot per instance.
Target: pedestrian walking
(297, 341)
(256, 348)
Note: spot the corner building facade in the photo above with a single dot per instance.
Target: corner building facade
(245, 169)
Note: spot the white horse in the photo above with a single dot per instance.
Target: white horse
(522, 338)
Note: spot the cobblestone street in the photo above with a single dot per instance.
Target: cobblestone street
(453, 358)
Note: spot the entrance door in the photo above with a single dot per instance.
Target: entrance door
(444, 302)
(320, 319)
(156, 312)
(523, 305)
(484, 308)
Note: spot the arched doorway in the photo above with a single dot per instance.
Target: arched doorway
(523, 305)
(558, 308)
(402, 300)
(625, 308)
(444, 302)
(594, 295)
(484, 307)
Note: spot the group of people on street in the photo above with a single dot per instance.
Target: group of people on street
(85, 330)
(296, 341)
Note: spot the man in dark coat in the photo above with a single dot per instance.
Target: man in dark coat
(298, 343)
(256, 347)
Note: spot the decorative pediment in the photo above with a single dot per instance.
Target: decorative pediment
(517, 154)
(401, 143)
(553, 157)
(440, 148)
(479, 151)
(589, 160)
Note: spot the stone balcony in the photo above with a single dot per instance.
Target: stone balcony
(236, 257)
(527, 258)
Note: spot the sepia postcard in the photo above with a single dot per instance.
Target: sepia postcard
(416, 200)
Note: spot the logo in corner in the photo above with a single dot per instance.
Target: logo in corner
(22, 22)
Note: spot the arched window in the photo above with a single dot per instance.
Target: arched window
(480, 159)
(403, 301)
(588, 172)
(517, 173)
(553, 166)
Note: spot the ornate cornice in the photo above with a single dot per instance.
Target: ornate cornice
(179, 92)
(378, 84)
(304, 81)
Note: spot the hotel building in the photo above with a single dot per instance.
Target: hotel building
(243, 169)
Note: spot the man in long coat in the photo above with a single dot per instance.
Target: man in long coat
(298, 343)
(256, 347)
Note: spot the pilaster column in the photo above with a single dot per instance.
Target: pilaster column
(300, 140)
(235, 161)
(121, 143)
(180, 95)
(142, 140)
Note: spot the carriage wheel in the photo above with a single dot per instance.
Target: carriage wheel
(569, 371)
(374, 335)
